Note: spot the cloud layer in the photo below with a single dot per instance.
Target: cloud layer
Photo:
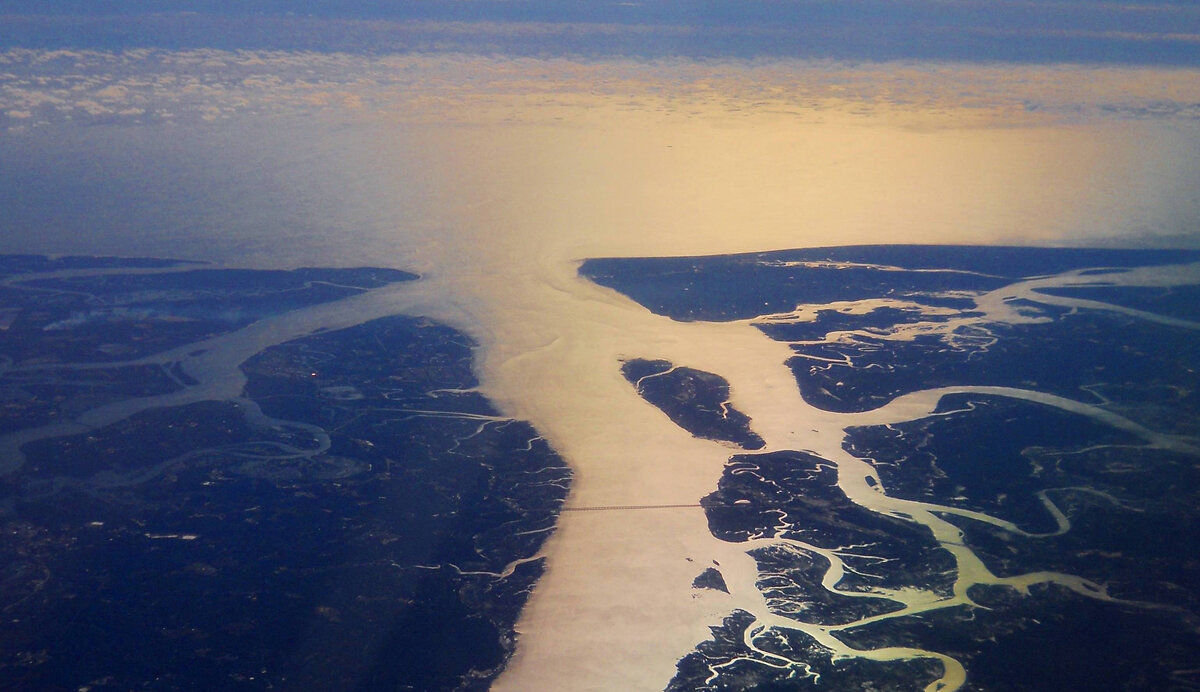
(39, 87)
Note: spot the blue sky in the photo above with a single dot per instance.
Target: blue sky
(1161, 32)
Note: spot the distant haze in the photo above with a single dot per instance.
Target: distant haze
(290, 158)
(1161, 32)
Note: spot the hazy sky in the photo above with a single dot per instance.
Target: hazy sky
(1139, 31)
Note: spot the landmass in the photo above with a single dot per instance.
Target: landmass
(695, 400)
(359, 518)
(1018, 481)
